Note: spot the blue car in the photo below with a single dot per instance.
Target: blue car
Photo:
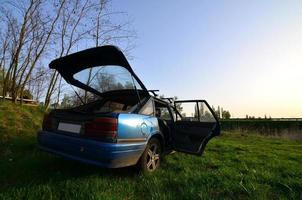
(117, 122)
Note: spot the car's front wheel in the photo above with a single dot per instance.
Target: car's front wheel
(151, 157)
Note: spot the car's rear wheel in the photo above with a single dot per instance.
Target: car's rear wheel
(151, 157)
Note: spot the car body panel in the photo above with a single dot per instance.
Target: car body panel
(136, 127)
(112, 155)
(134, 131)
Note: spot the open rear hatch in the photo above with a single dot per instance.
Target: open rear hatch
(98, 70)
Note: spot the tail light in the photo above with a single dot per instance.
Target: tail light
(101, 128)
(47, 122)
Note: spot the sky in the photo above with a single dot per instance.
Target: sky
(245, 56)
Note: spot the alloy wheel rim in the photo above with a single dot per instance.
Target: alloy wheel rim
(153, 157)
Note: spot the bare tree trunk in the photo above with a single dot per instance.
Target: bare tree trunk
(102, 7)
(30, 36)
(41, 50)
(59, 91)
(20, 44)
(61, 29)
(4, 48)
(50, 89)
(67, 42)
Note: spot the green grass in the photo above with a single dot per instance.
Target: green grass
(234, 166)
(284, 128)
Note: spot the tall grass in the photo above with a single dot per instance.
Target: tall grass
(17, 119)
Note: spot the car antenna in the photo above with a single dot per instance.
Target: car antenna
(77, 95)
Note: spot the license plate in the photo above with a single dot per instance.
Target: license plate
(73, 128)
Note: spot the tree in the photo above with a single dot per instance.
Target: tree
(27, 95)
(69, 34)
(226, 114)
(32, 31)
(66, 102)
(218, 112)
(27, 31)
(38, 82)
(89, 20)
(1, 84)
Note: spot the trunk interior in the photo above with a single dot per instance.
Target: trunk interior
(72, 121)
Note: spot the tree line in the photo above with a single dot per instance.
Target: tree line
(33, 32)
(221, 113)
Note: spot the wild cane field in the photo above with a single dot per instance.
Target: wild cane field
(234, 166)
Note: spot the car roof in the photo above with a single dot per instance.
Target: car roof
(161, 101)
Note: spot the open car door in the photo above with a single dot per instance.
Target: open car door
(195, 124)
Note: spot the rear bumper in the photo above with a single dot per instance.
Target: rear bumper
(111, 155)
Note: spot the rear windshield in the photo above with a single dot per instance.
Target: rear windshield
(107, 78)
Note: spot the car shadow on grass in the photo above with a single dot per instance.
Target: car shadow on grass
(78, 169)
(38, 168)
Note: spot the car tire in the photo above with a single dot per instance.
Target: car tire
(150, 159)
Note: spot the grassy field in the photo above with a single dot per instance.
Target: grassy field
(234, 166)
(288, 129)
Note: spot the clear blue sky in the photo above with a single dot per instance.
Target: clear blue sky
(243, 55)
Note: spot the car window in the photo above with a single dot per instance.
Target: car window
(194, 111)
(107, 78)
(205, 113)
(148, 108)
(188, 111)
(164, 113)
(76, 99)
